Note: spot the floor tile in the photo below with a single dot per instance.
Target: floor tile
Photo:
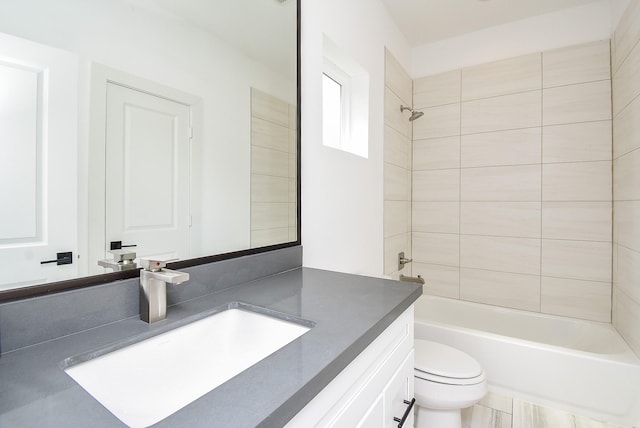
(499, 402)
(485, 417)
(527, 415)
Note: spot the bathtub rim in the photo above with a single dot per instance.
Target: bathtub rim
(625, 357)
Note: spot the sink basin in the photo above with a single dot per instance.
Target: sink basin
(145, 382)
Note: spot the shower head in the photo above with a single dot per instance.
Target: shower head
(414, 114)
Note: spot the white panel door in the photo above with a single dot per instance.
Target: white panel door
(38, 162)
(147, 173)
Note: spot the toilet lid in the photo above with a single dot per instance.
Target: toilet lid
(442, 360)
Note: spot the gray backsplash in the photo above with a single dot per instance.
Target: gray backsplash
(35, 320)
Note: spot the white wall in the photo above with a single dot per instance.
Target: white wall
(541, 33)
(342, 204)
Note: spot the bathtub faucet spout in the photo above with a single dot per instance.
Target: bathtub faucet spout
(417, 279)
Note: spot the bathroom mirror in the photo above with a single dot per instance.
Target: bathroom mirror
(165, 128)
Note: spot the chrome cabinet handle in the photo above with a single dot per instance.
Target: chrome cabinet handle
(406, 413)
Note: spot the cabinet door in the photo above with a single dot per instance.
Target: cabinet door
(398, 391)
(356, 397)
(374, 417)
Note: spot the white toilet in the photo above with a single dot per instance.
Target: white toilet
(446, 380)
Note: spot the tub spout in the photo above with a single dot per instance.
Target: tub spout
(417, 279)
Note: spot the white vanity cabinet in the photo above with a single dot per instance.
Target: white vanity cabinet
(375, 388)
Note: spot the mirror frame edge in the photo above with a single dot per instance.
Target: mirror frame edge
(93, 280)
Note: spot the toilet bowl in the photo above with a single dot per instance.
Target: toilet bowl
(446, 381)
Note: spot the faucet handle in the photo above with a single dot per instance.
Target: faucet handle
(125, 256)
(154, 265)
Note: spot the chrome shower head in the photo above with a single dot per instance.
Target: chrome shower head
(414, 113)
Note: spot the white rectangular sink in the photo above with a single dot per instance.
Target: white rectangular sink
(144, 383)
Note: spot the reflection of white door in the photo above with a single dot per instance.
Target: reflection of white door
(38, 162)
(147, 173)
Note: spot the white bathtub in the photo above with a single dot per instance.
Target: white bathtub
(579, 366)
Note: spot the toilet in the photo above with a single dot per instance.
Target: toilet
(446, 381)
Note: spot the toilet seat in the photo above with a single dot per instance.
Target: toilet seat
(446, 380)
(436, 362)
(449, 380)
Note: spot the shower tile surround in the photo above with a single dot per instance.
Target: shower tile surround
(397, 167)
(511, 198)
(273, 170)
(626, 164)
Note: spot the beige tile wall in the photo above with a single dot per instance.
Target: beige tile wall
(273, 170)
(435, 220)
(397, 166)
(626, 178)
(512, 182)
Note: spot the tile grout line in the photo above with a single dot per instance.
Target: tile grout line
(541, 175)
(410, 165)
(460, 190)
(614, 248)
(570, 162)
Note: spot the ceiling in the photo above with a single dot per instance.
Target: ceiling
(426, 21)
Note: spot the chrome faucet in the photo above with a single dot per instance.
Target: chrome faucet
(122, 260)
(153, 288)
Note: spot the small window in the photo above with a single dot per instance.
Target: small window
(331, 112)
(345, 102)
(335, 110)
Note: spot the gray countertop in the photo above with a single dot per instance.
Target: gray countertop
(349, 311)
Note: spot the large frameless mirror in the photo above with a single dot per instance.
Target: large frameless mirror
(144, 128)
